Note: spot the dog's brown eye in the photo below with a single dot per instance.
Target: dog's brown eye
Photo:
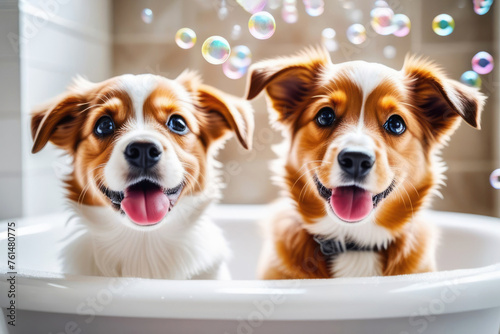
(395, 125)
(177, 124)
(104, 126)
(325, 117)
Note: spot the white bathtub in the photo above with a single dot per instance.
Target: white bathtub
(464, 297)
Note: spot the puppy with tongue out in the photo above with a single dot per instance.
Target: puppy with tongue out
(358, 163)
(143, 150)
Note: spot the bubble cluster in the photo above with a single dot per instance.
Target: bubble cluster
(389, 52)
(471, 78)
(237, 64)
(215, 50)
(147, 15)
(262, 25)
(314, 7)
(402, 25)
(381, 20)
(356, 34)
(495, 179)
(252, 6)
(185, 38)
(482, 62)
(482, 7)
(443, 24)
(289, 13)
(328, 39)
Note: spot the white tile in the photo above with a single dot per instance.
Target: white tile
(10, 196)
(42, 193)
(10, 147)
(10, 85)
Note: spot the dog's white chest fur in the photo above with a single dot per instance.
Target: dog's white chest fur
(356, 264)
(185, 246)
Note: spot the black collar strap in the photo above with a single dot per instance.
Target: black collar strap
(332, 247)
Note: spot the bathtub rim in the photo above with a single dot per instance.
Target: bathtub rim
(330, 299)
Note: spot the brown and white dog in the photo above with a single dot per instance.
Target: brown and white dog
(144, 172)
(359, 164)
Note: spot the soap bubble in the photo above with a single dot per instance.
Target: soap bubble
(252, 6)
(262, 25)
(356, 33)
(241, 56)
(314, 7)
(382, 20)
(237, 64)
(381, 4)
(185, 38)
(402, 24)
(389, 52)
(233, 72)
(495, 179)
(215, 50)
(290, 14)
(147, 15)
(273, 4)
(236, 32)
(471, 78)
(328, 39)
(482, 7)
(443, 25)
(482, 62)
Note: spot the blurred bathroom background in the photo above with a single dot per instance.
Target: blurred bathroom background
(45, 43)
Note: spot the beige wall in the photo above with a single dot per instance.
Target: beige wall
(139, 48)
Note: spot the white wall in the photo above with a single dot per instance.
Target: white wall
(10, 117)
(58, 39)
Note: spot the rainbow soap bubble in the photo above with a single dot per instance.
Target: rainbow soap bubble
(443, 24)
(237, 64)
(185, 38)
(356, 34)
(215, 50)
(252, 6)
(262, 25)
(495, 179)
(241, 56)
(147, 15)
(482, 7)
(328, 39)
(402, 24)
(482, 62)
(382, 20)
(471, 78)
(314, 7)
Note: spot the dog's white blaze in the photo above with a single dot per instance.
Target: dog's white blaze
(367, 77)
(356, 264)
(139, 87)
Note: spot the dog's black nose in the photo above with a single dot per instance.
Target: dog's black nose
(356, 163)
(142, 155)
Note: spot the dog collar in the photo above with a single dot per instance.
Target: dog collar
(333, 247)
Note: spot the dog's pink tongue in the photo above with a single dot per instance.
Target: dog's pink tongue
(145, 205)
(351, 203)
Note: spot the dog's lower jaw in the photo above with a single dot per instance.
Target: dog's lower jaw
(186, 245)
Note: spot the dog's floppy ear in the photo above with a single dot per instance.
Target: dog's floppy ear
(440, 100)
(58, 120)
(287, 81)
(226, 113)
(220, 113)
